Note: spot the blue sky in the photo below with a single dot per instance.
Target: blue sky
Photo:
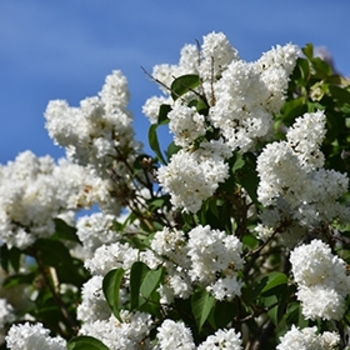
(63, 49)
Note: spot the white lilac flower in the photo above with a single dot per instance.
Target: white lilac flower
(112, 256)
(217, 54)
(131, 334)
(94, 305)
(174, 335)
(293, 185)
(186, 124)
(96, 230)
(6, 316)
(213, 253)
(222, 339)
(308, 339)
(26, 336)
(226, 288)
(170, 243)
(322, 281)
(241, 96)
(94, 133)
(151, 107)
(275, 66)
(192, 177)
(306, 144)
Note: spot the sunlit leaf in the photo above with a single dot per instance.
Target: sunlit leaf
(111, 288)
(86, 343)
(184, 84)
(202, 303)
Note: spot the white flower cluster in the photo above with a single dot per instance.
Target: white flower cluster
(6, 317)
(308, 339)
(240, 99)
(34, 191)
(131, 334)
(112, 256)
(322, 281)
(96, 230)
(94, 306)
(222, 339)
(208, 257)
(293, 185)
(192, 177)
(98, 132)
(175, 335)
(26, 336)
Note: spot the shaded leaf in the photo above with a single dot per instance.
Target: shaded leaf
(143, 282)
(64, 231)
(223, 313)
(164, 109)
(274, 279)
(154, 143)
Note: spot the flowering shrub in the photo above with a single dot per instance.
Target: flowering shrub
(234, 237)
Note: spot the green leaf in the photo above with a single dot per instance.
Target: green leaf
(249, 178)
(340, 94)
(111, 287)
(86, 343)
(239, 163)
(15, 280)
(293, 108)
(202, 107)
(201, 303)
(172, 149)
(322, 68)
(64, 231)
(10, 258)
(184, 84)
(304, 68)
(164, 109)
(53, 253)
(154, 143)
(274, 279)
(143, 282)
(223, 313)
(151, 282)
(295, 316)
(308, 51)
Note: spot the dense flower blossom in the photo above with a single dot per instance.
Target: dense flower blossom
(294, 186)
(222, 339)
(186, 124)
(112, 256)
(96, 230)
(193, 219)
(307, 339)
(28, 337)
(322, 281)
(174, 335)
(94, 305)
(6, 317)
(240, 97)
(99, 131)
(213, 253)
(131, 334)
(192, 178)
(34, 191)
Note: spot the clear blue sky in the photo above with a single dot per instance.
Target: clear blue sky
(63, 49)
